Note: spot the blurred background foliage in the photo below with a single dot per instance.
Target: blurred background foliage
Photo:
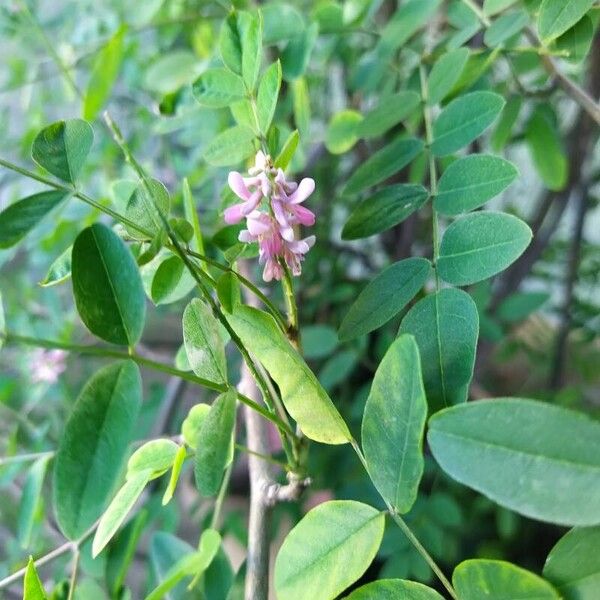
(539, 321)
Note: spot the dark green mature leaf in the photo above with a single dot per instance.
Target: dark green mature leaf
(389, 112)
(107, 286)
(480, 245)
(268, 93)
(204, 344)
(393, 425)
(491, 7)
(166, 550)
(104, 74)
(217, 88)
(539, 460)
(384, 164)
(281, 22)
(445, 326)
(94, 445)
(520, 305)
(30, 500)
(385, 296)
(287, 152)
(228, 291)
(296, 56)
(2, 323)
(471, 181)
(445, 73)
(576, 41)
(342, 132)
(556, 16)
(61, 148)
(503, 131)
(144, 207)
(506, 26)
(20, 218)
(240, 44)
(394, 589)
(171, 281)
(384, 209)
(330, 548)
(301, 393)
(318, 341)
(499, 580)
(32, 586)
(573, 565)
(463, 120)
(213, 451)
(230, 147)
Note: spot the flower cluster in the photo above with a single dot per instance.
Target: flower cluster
(274, 230)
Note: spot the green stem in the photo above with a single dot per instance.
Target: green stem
(216, 517)
(293, 327)
(408, 532)
(264, 457)
(73, 579)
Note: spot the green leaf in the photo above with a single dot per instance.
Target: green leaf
(543, 138)
(393, 425)
(386, 208)
(556, 16)
(287, 152)
(104, 74)
(394, 589)
(119, 508)
(445, 326)
(230, 44)
(492, 7)
(204, 345)
(93, 446)
(383, 164)
(296, 56)
(539, 460)
(318, 341)
(171, 71)
(230, 147)
(385, 296)
(250, 25)
(268, 93)
(573, 565)
(503, 132)
(576, 41)
(445, 73)
(190, 428)
(213, 451)
(154, 457)
(175, 472)
(30, 500)
(107, 286)
(60, 269)
(144, 207)
(499, 580)
(389, 112)
(171, 281)
(471, 181)
(301, 105)
(463, 120)
(281, 22)
(342, 132)
(61, 148)
(520, 305)
(301, 393)
(505, 27)
(481, 245)
(329, 549)
(22, 216)
(217, 88)
(32, 586)
(228, 291)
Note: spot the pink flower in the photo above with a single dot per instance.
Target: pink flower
(47, 365)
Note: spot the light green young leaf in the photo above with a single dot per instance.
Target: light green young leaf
(60, 269)
(497, 580)
(342, 132)
(573, 565)
(190, 428)
(385, 296)
(32, 586)
(94, 445)
(144, 208)
(445, 72)
(389, 112)
(166, 551)
(556, 16)
(302, 394)
(268, 93)
(61, 148)
(217, 88)
(470, 182)
(18, 219)
(481, 245)
(394, 589)
(384, 209)
(104, 74)
(445, 326)
(107, 286)
(30, 499)
(505, 27)
(119, 508)
(329, 549)
(213, 448)
(156, 457)
(171, 71)
(230, 147)
(203, 342)
(463, 120)
(287, 152)
(539, 460)
(175, 472)
(393, 425)
(383, 164)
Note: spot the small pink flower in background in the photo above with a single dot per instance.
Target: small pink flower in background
(47, 365)
(274, 230)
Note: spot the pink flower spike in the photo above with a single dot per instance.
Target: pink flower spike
(303, 215)
(233, 214)
(304, 190)
(238, 185)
